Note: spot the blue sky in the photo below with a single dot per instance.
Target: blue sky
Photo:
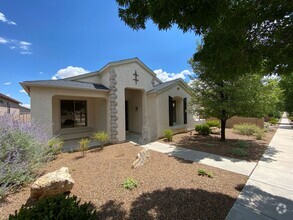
(41, 39)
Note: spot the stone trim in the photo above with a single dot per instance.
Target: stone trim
(113, 106)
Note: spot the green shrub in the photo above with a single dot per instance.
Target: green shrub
(23, 149)
(84, 145)
(240, 152)
(55, 146)
(203, 129)
(130, 183)
(102, 137)
(242, 144)
(291, 118)
(246, 129)
(202, 172)
(274, 121)
(56, 207)
(213, 123)
(259, 134)
(168, 134)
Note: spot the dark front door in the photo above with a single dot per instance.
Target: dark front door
(126, 115)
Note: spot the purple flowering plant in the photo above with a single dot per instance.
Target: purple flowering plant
(23, 149)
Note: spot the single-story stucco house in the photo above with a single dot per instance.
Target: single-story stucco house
(123, 97)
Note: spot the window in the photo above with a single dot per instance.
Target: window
(73, 113)
(8, 107)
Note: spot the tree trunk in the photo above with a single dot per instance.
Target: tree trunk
(223, 127)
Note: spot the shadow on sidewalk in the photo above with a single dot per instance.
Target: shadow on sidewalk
(266, 203)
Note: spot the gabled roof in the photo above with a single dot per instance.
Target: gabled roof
(61, 83)
(115, 63)
(164, 86)
(9, 98)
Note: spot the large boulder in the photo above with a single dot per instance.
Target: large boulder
(215, 130)
(141, 158)
(57, 182)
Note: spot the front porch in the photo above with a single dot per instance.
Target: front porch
(76, 117)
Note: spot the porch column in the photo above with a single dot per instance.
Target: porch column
(113, 106)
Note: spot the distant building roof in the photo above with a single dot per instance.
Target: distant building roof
(9, 98)
(63, 84)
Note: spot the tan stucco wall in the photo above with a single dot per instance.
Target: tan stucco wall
(240, 120)
(152, 116)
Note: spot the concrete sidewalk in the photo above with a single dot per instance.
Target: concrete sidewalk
(268, 194)
(234, 165)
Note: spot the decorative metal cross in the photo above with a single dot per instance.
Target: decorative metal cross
(135, 77)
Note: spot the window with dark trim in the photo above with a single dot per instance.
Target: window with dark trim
(185, 110)
(73, 113)
(170, 111)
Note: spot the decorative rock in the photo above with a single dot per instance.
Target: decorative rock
(142, 157)
(54, 183)
(215, 130)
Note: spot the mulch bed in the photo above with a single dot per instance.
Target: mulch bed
(167, 188)
(212, 143)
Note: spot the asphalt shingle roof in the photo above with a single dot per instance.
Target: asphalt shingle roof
(66, 84)
(159, 87)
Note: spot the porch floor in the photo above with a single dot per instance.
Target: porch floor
(73, 145)
(133, 137)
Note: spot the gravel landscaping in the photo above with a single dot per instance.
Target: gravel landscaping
(212, 144)
(167, 188)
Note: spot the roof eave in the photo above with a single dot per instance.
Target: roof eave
(180, 81)
(63, 87)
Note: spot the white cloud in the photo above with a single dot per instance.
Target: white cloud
(22, 91)
(25, 52)
(3, 40)
(26, 105)
(22, 46)
(41, 73)
(165, 76)
(69, 71)
(5, 20)
(7, 83)
(8, 95)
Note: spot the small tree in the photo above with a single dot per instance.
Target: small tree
(84, 145)
(238, 96)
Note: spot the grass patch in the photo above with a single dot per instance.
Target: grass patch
(242, 144)
(203, 172)
(239, 152)
(130, 184)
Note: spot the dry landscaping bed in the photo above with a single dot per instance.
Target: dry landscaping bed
(212, 143)
(167, 188)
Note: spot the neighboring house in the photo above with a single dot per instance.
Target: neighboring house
(13, 107)
(25, 114)
(9, 105)
(121, 98)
